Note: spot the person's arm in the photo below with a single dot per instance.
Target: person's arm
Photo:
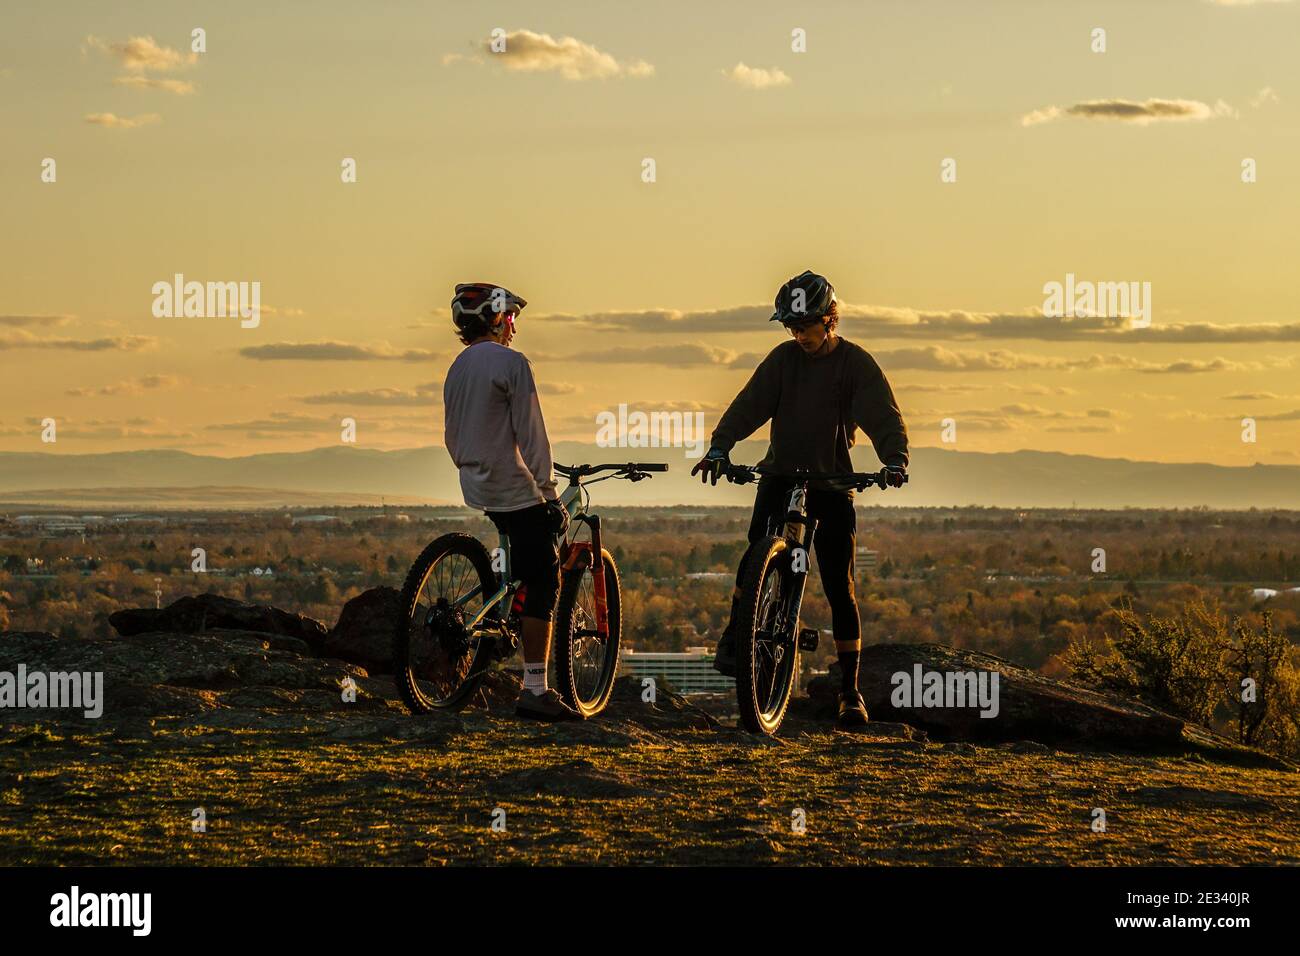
(876, 412)
(752, 407)
(450, 437)
(530, 429)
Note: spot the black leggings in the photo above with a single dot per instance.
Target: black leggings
(834, 542)
(534, 558)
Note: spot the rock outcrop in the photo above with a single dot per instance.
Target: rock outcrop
(364, 632)
(1029, 707)
(198, 613)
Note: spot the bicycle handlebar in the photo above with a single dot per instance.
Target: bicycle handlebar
(640, 468)
(743, 474)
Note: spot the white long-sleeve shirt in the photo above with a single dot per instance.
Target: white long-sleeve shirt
(494, 429)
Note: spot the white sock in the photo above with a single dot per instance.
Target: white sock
(535, 678)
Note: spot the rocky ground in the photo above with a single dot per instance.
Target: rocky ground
(248, 731)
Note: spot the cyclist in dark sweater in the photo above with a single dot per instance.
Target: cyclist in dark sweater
(816, 390)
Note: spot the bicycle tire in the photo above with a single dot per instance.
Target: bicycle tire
(404, 675)
(760, 558)
(565, 653)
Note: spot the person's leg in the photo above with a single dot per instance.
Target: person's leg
(769, 499)
(836, 546)
(537, 652)
(537, 565)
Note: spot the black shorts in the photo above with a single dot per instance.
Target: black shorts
(534, 557)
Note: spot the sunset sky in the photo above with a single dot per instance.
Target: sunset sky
(525, 169)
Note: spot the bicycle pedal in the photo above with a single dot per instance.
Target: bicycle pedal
(808, 637)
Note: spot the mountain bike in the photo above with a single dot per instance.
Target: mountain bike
(461, 606)
(772, 577)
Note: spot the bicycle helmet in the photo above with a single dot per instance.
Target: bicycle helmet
(483, 301)
(805, 298)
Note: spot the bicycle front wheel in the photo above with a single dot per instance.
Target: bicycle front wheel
(586, 661)
(767, 658)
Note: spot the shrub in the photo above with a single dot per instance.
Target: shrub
(1199, 664)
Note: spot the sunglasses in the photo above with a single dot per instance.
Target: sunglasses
(796, 329)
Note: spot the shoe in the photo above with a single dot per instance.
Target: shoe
(853, 711)
(548, 706)
(724, 660)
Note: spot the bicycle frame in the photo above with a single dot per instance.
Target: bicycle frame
(589, 551)
(571, 498)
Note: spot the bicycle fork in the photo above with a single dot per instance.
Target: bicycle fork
(588, 554)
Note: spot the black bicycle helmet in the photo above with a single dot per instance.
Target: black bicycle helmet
(805, 298)
(483, 300)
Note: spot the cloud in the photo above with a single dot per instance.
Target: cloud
(420, 396)
(586, 421)
(672, 355)
(140, 82)
(557, 388)
(935, 358)
(121, 343)
(134, 386)
(139, 54)
(888, 322)
(741, 318)
(113, 121)
(529, 52)
(1021, 410)
(1266, 95)
(108, 429)
(25, 320)
(1251, 397)
(281, 311)
(281, 424)
(756, 78)
(451, 59)
(335, 352)
(1148, 111)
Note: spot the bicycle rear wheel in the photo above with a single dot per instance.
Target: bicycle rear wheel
(767, 659)
(437, 662)
(585, 662)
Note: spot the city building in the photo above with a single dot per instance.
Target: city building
(688, 672)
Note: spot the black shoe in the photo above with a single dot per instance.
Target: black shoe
(549, 706)
(853, 711)
(724, 661)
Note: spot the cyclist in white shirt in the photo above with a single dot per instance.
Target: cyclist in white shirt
(497, 438)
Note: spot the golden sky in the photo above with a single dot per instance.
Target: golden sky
(525, 168)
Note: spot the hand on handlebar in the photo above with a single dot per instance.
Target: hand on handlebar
(712, 466)
(558, 516)
(895, 475)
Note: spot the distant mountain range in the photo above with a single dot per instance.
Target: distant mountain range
(348, 475)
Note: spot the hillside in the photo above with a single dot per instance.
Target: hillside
(1021, 479)
(251, 729)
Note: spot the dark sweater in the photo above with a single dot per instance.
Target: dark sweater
(814, 405)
